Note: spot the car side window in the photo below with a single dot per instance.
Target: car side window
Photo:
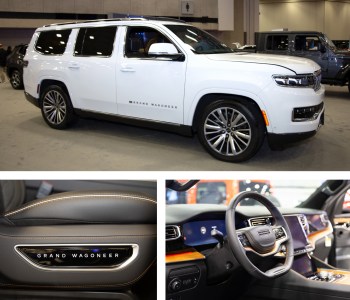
(95, 41)
(52, 42)
(307, 43)
(277, 42)
(139, 40)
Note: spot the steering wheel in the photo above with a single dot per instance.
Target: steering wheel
(265, 241)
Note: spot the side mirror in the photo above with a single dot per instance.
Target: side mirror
(165, 50)
(323, 48)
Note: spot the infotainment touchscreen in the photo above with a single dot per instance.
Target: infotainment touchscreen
(199, 232)
(299, 238)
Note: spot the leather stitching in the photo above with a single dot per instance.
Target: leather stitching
(127, 196)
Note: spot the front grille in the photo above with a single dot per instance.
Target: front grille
(317, 80)
(308, 113)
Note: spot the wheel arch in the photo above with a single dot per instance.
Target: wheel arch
(45, 83)
(209, 98)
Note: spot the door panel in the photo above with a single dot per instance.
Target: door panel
(92, 73)
(148, 87)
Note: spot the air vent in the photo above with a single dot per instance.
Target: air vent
(260, 221)
(172, 232)
(304, 223)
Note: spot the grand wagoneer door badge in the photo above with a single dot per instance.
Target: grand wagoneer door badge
(78, 257)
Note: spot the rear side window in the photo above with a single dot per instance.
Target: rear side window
(277, 42)
(52, 42)
(95, 41)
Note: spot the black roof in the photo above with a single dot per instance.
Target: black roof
(292, 32)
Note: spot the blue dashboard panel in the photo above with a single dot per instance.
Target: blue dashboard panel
(199, 232)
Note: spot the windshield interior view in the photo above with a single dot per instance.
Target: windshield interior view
(257, 239)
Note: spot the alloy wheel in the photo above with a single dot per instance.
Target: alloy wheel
(54, 107)
(227, 131)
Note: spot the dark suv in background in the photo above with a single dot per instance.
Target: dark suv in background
(14, 66)
(335, 63)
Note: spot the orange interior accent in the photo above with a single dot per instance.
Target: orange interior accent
(265, 118)
(183, 256)
(315, 236)
(341, 220)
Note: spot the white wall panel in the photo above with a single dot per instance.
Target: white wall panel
(225, 14)
(149, 7)
(88, 6)
(61, 6)
(120, 6)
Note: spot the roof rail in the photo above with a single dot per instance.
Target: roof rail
(141, 18)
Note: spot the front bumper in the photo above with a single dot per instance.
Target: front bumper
(32, 99)
(277, 140)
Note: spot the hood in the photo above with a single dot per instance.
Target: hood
(344, 54)
(295, 64)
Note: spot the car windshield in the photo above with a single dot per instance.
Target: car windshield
(282, 193)
(199, 41)
(330, 43)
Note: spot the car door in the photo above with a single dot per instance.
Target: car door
(148, 87)
(336, 202)
(342, 230)
(310, 46)
(91, 71)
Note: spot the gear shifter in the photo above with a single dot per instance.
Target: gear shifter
(218, 235)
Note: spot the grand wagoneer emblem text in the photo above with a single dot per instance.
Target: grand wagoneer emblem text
(78, 256)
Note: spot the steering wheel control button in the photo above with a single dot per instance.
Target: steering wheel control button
(279, 233)
(77, 256)
(243, 239)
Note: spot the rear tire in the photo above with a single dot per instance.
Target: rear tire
(56, 107)
(231, 131)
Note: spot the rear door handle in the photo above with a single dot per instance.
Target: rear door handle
(74, 66)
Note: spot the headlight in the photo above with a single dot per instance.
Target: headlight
(305, 80)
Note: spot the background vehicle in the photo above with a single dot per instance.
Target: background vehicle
(343, 45)
(205, 245)
(14, 66)
(335, 64)
(75, 239)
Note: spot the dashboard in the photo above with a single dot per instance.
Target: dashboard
(196, 223)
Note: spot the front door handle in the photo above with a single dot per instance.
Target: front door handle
(126, 68)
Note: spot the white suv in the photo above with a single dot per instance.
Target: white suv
(171, 75)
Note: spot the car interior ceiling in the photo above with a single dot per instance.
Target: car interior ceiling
(237, 281)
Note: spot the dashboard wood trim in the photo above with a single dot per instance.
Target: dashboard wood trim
(341, 220)
(187, 255)
(315, 236)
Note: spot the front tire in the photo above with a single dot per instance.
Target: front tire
(56, 107)
(231, 131)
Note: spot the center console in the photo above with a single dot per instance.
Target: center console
(306, 266)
